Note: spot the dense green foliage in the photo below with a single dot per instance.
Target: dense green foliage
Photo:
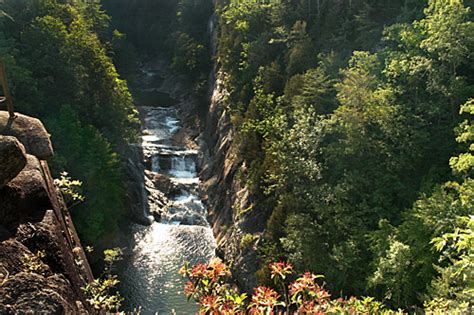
(60, 72)
(172, 29)
(345, 114)
(353, 120)
(209, 286)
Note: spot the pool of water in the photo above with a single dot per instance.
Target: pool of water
(149, 273)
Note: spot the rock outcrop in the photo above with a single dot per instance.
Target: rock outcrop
(12, 159)
(30, 132)
(228, 200)
(25, 198)
(137, 201)
(162, 182)
(42, 264)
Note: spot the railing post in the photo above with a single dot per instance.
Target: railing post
(6, 90)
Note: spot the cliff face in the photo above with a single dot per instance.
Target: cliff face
(42, 263)
(238, 229)
(223, 174)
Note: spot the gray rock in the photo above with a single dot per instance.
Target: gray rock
(12, 159)
(31, 133)
(31, 293)
(11, 254)
(135, 182)
(25, 198)
(162, 183)
(27, 291)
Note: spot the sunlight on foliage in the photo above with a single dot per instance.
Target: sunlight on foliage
(70, 189)
(102, 293)
(33, 263)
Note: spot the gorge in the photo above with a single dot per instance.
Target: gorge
(322, 149)
(178, 230)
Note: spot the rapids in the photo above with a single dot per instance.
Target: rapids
(149, 274)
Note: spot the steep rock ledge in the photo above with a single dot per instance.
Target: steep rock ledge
(42, 263)
(223, 172)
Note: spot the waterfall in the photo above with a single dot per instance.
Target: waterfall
(155, 163)
(212, 31)
(183, 167)
(178, 164)
(149, 276)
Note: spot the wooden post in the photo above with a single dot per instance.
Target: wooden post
(6, 90)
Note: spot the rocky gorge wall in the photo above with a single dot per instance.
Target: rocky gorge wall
(42, 263)
(238, 230)
(221, 171)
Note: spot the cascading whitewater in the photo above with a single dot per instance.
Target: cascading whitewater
(149, 276)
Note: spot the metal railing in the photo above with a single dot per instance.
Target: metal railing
(7, 97)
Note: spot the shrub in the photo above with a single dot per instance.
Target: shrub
(209, 286)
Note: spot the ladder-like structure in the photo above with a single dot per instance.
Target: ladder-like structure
(7, 97)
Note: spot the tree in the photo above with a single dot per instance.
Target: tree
(60, 72)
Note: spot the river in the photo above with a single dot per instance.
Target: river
(149, 273)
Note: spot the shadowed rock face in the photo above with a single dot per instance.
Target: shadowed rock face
(12, 159)
(42, 264)
(25, 198)
(224, 180)
(30, 132)
(31, 293)
(47, 289)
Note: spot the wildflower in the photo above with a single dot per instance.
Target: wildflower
(189, 289)
(199, 271)
(210, 304)
(217, 269)
(265, 298)
(321, 295)
(306, 283)
(184, 270)
(258, 311)
(281, 269)
(305, 289)
(230, 308)
(310, 307)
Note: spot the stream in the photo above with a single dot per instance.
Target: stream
(149, 273)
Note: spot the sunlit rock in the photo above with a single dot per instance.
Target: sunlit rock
(30, 132)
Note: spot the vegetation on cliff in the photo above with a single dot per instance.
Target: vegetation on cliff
(209, 285)
(176, 30)
(353, 124)
(57, 57)
(346, 114)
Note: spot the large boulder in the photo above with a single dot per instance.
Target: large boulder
(25, 198)
(12, 255)
(26, 286)
(47, 283)
(12, 159)
(162, 182)
(30, 131)
(32, 293)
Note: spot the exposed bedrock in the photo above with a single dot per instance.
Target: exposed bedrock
(137, 200)
(30, 132)
(12, 159)
(223, 173)
(42, 263)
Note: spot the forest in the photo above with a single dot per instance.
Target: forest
(354, 121)
(352, 118)
(57, 55)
